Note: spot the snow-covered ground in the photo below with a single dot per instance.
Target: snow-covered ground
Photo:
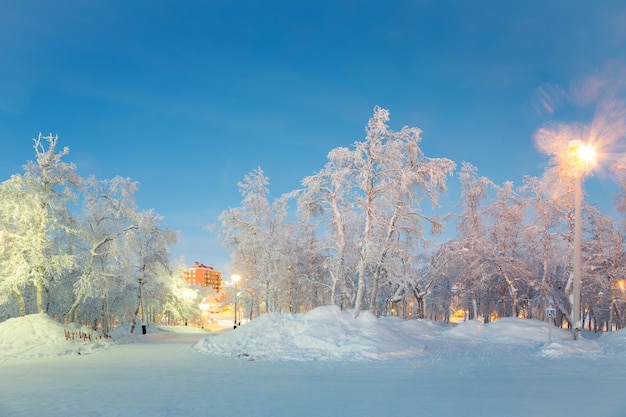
(324, 363)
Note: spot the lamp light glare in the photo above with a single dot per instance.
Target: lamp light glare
(582, 155)
(586, 153)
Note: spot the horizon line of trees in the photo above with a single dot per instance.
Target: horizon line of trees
(79, 249)
(363, 236)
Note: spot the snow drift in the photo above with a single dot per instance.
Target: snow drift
(323, 334)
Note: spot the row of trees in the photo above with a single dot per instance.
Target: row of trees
(79, 248)
(359, 239)
(363, 235)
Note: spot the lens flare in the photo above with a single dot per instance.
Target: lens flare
(582, 156)
(586, 153)
(573, 148)
(600, 148)
(602, 139)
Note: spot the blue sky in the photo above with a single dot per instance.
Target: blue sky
(186, 97)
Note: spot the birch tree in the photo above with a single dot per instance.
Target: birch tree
(549, 215)
(409, 179)
(307, 284)
(372, 198)
(327, 198)
(254, 232)
(109, 216)
(509, 243)
(604, 268)
(151, 249)
(471, 243)
(19, 214)
(36, 221)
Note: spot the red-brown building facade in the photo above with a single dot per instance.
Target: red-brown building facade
(203, 276)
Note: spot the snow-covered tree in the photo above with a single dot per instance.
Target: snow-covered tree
(326, 199)
(255, 232)
(18, 215)
(371, 198)
(151, 251)
(54, 184)
(604, 267)
(36, 221)
(472, 247)
(304, 285)
(109, 216)
(420, 276)
(182, 300)
(509, 244)
(93, 259)
(549, 214)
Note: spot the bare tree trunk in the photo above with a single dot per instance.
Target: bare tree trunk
(513, 293)
(334, 288)
(388, 237)
(474, 312)
(373, 303)
(40, 290)
(72, 313)
(421, 307)
(134, 320)
(340, 275)
(20, 302)
(360, 293)
(106, 325)
(616, 316)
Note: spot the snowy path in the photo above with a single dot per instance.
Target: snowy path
(164, 377)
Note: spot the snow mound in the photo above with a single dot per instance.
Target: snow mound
(38, 336)
(569, 348)
(471, 329)
(423, 329)
(614, 342)
(516, 331)
(325, 333)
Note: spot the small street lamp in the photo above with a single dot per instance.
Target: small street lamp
(581, 157)
(144, 321)
(235, 279)
(204, 307)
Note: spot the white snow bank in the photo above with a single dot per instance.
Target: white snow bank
(471, 329)
(325, 333)
(38, 335)
(614, 342)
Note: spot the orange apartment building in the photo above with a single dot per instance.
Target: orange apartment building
(203, 276)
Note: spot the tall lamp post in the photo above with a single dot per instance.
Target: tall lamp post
(235, 279)
(582, 157)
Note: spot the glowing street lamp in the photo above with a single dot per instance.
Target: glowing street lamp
(188, 297)
(204, 307)
(582, 158)
(235, 279)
